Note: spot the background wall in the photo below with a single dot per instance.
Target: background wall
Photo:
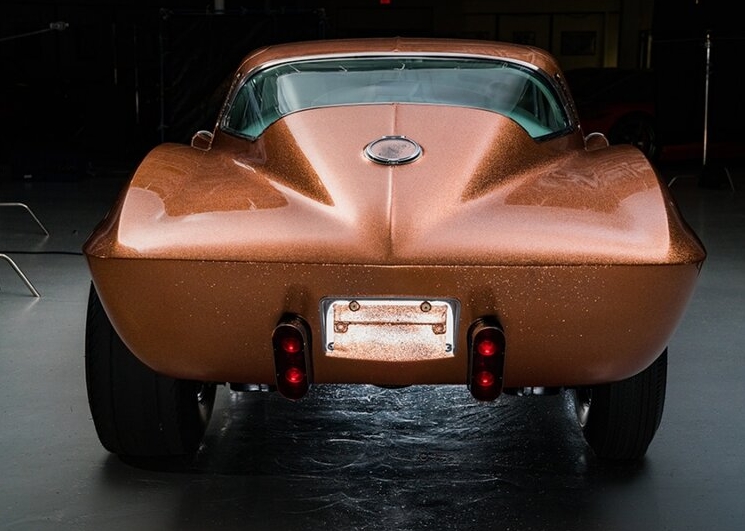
(91, 82)
(581, 33)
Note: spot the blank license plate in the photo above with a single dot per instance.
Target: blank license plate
(389, 329)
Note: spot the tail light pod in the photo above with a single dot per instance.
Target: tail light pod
(291, 343)
(486, 359)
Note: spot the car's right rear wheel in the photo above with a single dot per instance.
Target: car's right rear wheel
(620, 419)
(136, 411)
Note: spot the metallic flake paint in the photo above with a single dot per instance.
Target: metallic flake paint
(581, 255)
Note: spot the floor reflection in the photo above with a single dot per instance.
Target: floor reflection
(362, 457)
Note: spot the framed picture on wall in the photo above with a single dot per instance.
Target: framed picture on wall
(579, 42)
(533, 30)
(524, 37)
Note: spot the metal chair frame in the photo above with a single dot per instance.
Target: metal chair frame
(10, 261)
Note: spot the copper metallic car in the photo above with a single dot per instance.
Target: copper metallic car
(389, 212)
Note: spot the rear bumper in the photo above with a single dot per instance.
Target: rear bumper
(564, 325)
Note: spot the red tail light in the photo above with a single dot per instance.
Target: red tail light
(486, 355)
(291, 342)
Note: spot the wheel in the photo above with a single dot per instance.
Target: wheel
(136, 411)
(620, 419)
(637, 130)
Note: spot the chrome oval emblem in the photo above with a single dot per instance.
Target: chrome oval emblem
(393, 150)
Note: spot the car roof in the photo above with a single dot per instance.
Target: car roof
(370, 46)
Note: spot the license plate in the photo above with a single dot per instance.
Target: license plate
(389, 329)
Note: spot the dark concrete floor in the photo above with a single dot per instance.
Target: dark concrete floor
(360, 458)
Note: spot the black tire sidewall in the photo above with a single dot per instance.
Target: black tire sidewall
(624, 416)
(136, 411)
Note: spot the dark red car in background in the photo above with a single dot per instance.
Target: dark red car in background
(666, 118)
(619, 103)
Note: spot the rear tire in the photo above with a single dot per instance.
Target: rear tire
(136, 411)
(620, 419)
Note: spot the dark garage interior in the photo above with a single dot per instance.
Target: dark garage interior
(89, 88)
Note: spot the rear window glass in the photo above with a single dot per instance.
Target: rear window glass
(499, 86)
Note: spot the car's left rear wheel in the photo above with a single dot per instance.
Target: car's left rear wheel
(136, 411)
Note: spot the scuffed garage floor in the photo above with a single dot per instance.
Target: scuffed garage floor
(360, 458)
